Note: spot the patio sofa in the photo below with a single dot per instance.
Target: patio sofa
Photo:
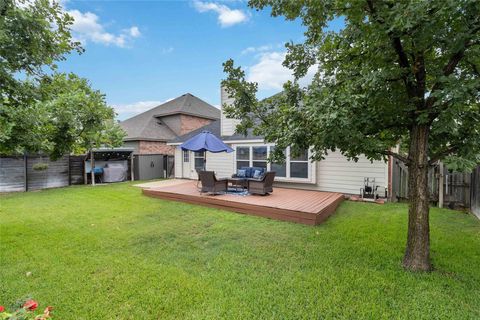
(249, 172)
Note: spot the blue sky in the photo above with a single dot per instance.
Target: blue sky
(142, 53)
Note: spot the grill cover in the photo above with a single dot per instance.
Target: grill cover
(115, 172)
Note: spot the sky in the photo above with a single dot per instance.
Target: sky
(143, 53)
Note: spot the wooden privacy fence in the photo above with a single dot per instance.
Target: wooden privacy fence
(455, 192)
(35, 172)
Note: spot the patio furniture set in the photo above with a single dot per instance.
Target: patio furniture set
(251, 179)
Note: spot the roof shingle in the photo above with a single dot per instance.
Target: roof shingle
(148, 126)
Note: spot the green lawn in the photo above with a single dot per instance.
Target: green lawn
(110, 253)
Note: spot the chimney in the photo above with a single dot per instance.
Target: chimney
(227, 125)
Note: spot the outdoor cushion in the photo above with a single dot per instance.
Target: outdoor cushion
(249, 171)
(241, 173)
(257, 174)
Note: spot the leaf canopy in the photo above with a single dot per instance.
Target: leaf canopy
(393, 65)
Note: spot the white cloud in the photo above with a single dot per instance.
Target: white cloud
(256, 49)
(134, 32)
(226, 17)
(125, 111)
(87, 27)
(269, 72)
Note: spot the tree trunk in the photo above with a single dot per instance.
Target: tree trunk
(417, 254)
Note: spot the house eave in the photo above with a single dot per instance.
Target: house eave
(144, 139)
(185, 113)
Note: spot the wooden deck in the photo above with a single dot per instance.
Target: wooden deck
(301, 206)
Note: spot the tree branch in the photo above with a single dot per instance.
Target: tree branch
(398, 156)
(441, 154)
(449, 68)
(398, 47)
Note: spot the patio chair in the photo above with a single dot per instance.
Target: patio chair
(210, 183)
(262, 186)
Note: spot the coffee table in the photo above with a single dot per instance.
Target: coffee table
(238, 183)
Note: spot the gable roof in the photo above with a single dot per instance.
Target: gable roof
(148, 126)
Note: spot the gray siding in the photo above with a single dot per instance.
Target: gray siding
(174, 122)
(131, 144)
(227, 125)
(222, 163)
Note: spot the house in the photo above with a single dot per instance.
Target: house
(335, 173)
(149, 131)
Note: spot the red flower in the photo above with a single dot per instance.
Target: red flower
(2, 308)
(31, 305)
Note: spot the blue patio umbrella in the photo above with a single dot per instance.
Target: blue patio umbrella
(205, 141)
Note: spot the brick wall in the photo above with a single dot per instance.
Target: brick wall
(190, 123)
(187, 124)
(152, 147)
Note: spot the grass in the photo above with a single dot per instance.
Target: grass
(110, 253)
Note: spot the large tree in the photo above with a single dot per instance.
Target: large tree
(399, 73)
(41, 110)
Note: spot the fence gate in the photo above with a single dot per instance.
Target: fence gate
(400, 182)
(456, 185)
(456, 189)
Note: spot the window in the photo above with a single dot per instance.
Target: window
(186, 156)
(296, 168)
(279, 168)
(259, 157)
(243, 157)
(200, 160)
(299, 165)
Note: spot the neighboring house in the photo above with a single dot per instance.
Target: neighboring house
(335, 173)
(149, 131)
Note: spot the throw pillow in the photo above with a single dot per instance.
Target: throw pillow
(241, 173)
(257, 174)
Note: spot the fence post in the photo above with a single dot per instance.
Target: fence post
(69, 175)
(25, 171)
(92, 165)
(440, 185)
(132, 178)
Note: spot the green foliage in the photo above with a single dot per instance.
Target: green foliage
(79, 118)
(395, 65)
(41, 111)
(68, 116)
(34, 34)
(147, 258)
(40, 166)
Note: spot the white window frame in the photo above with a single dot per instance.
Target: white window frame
(186, 156)
(311, 177)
